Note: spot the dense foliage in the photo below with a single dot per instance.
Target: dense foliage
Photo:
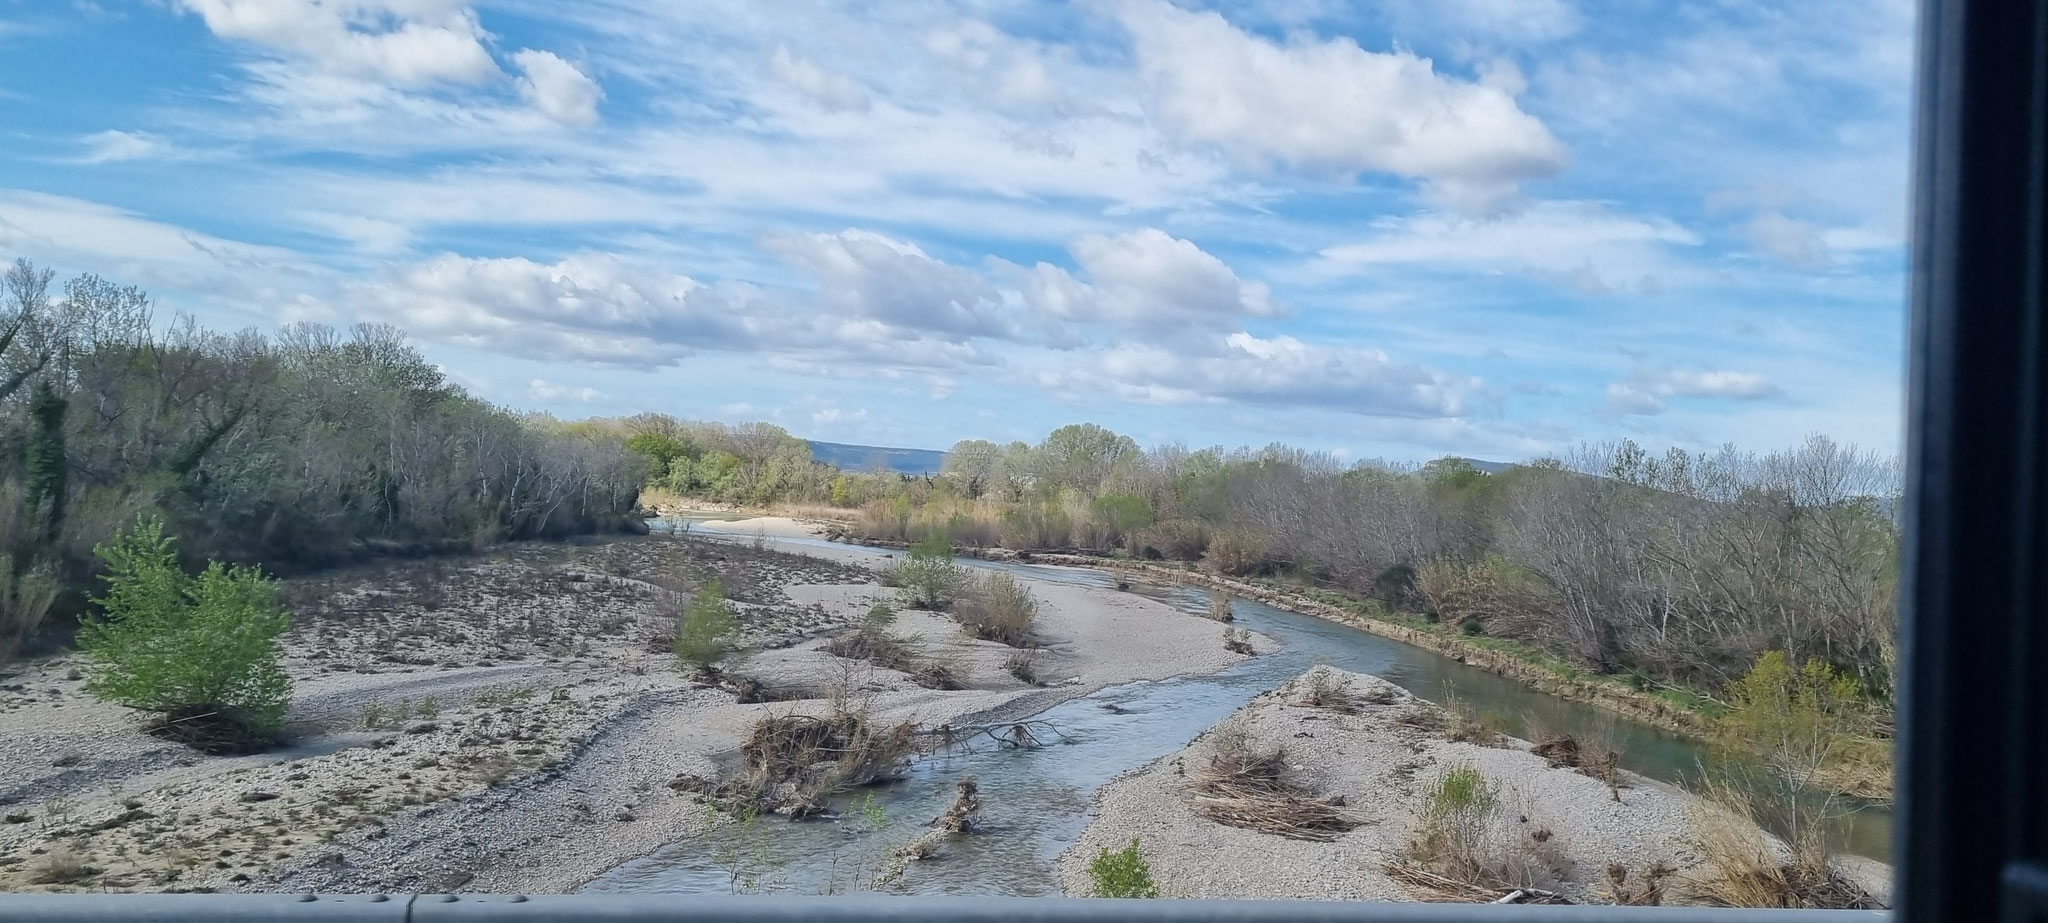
(189, 648)
(707, 630)
(1120, 873)
(1678, 569)
(303, 448)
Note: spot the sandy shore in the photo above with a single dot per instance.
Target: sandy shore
(506, 721)
(1380, 766)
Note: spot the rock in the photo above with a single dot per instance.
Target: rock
(253, 797)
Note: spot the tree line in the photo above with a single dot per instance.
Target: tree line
(1677, 569)
(302, 448)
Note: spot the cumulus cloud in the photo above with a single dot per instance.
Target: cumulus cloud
(1145, 279)
(586, 308)
(869, 276)
(1281, 371)
(406, 42)
(1333, 107)
(556, 88)
(1582, 245)
(1647, 391)
(836, 92)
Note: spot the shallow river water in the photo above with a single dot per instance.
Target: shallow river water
(1038, 800)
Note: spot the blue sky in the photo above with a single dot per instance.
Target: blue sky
(1400, 228)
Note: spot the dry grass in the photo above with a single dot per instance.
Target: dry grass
(998, 607)
(1248, 789)
(1219, 607)
(1744, 867)
(1238, 641)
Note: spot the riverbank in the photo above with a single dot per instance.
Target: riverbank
(509, 721)
(1377, 757)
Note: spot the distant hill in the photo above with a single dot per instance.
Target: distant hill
(865, 457)
(1490, 467)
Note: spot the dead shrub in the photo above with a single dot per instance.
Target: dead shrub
(1245, 788)
(791, 763)
(1238, 641)
(60, 866)
(1219, 608)
(1238, 552)
(998, 607)
(939, 674)
(1646, 891)
(1320, 688)
(1174, 539)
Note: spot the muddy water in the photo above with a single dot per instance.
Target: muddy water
(1037, 800)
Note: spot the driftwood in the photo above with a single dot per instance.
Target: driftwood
(1434, 887)
(1024, 735)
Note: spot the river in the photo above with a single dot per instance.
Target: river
(1038, 800)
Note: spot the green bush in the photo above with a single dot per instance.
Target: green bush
(195, 649)
(930, 579)
(1121, 873)
(708, 630)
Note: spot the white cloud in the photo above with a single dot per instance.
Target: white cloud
(861, 274)
(1333, 107)
(1281, 371)
(585, 308)
(1579, 244)
(405, 42)
(116, 146)
(832, 91)
(1146, 278)
(1646, 391)
(542, 390)
(557, 88)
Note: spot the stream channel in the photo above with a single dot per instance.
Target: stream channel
(1038, 800)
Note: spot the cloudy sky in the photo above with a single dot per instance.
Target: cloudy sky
(1394, 228)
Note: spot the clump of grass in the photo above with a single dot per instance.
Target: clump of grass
(1466, 724)
(874, 642)
(999, 608)
(1464, 845)
(1248, 788)
(1219, 607)
(1121, 873)
(1238, 641)
(1022, 664)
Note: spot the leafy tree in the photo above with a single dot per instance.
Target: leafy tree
(47, 466)
(1795, 719)
(188, 647)
(1120, 873)
(709, 631)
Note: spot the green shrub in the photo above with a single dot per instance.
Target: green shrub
(1120, 873)
(1472, 626)
(708, 630)
(930, 579)
(199, 650)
